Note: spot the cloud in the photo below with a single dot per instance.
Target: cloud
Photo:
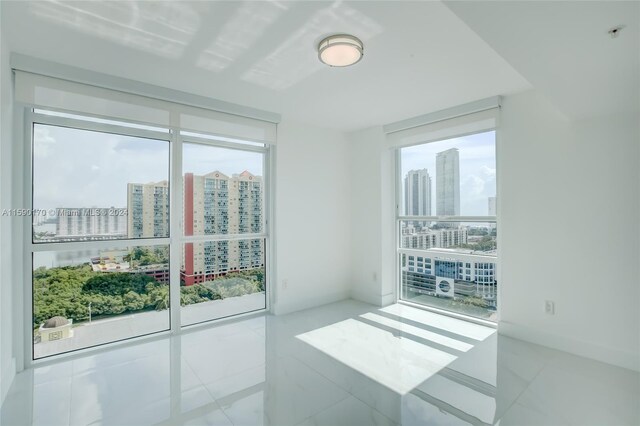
(473, 185)
(44, 145)
(488, 171)
(85, 169)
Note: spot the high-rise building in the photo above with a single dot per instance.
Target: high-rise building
(492, 206)
(148, 210)
(91, 223)
(448, 183)
(492, 210)
(417, 190)
(216, 204)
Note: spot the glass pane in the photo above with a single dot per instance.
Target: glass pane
(222, 278)
(223, 190)
(91, 185)
(461, 236)
(451, 266)
(90, 297)
(454, 177)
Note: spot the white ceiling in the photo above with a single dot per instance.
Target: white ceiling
(563, 49)
(420, 57)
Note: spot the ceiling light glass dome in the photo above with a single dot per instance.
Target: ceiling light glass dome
(340, 50)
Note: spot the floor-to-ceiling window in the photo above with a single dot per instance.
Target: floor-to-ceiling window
(141, 218)
(100, 232)
(223, 258)
(447, 229)
(446, 222)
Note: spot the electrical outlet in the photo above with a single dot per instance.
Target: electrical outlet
(549, 307)
(285, 284)
(375, 276)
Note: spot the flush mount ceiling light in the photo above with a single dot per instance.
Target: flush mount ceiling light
(340, 50)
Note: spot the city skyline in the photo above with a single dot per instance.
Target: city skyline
(477, 169)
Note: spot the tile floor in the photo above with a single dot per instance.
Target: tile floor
(347, 363)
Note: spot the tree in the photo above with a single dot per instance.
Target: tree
(133, 301)
(143, 256)
(68, 291)
(117, 283)
(158, 297)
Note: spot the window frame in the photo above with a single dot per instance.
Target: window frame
(27, 117)
(399, 218)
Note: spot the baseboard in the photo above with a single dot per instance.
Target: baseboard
(300, 304)
(367, 297)
(605, 354)
(388, 299)
(6, 379)
(373, 299)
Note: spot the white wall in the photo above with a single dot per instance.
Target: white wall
(372, 215)
(312, 217)
(569, 219)
(581, 181)
(7, 360)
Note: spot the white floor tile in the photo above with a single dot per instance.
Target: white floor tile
(346, 363)
(348, 412)
(578, 391)
(51, 402)
(520, 415)
(291, 393)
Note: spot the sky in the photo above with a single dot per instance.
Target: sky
(203, 159)
(477, 169)
(80, 168)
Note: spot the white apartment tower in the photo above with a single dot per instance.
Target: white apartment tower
(91, 223)
(417, 190)
(435, 238)
(148, 209)
(216, 204)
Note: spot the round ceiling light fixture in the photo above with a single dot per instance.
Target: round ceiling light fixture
(340, 50)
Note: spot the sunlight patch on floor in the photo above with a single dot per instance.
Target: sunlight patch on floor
(418, 332)
(398, 363)
(442, 322)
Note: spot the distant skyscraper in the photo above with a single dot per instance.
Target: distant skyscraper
(448, 183)
(417, 190)
(492, 210)
(492, 206)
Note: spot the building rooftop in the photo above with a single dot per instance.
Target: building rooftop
(469, 252)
